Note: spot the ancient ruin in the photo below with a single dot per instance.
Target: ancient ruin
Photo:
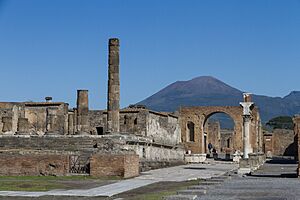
(49, 138)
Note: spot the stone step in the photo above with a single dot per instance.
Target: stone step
(209, 183)
(180, 197)
(198, 187)
(215, 180)
(220, 177)
(192, 192)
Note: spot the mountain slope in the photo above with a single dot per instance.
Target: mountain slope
(209, 91)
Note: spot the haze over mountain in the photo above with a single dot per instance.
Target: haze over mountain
(209, 91)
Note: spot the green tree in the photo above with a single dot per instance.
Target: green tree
(281, 122)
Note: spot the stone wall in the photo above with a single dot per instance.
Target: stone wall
(283, 142)
(226, 140)
(161, 128)
(213, 135)
(36, 118)
(33, 164)
(126, 166)
(60, 143)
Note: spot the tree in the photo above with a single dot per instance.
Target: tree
(281, 122)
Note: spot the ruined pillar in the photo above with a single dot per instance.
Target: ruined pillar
(113, 97)
(247, 106)
(23, 125)
(71, 123)
(82, 111)
(15, 117)
(7, 124)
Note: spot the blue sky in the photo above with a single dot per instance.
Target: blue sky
(54, 47)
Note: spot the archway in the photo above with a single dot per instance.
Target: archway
(218, 131)
(199, 115)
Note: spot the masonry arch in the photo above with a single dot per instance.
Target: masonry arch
(199, 115)
(218, 130)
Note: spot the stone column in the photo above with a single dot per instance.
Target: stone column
(15, 117)
(247, 106)
(71, 123)
(82, 111)
(113, 97)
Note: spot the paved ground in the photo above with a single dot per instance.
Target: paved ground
(178, 174)
(275, 180)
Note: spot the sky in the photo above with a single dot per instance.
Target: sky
(54, 47)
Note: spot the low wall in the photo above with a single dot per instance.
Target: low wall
(126, 166)
(252, 163)
(33, 164)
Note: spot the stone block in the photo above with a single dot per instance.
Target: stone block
(195, 158)
(102, 165)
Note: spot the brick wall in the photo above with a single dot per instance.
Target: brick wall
(126, 165)
(31, 164)
(283, 142)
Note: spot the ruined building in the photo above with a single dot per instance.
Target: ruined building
(82, 139)
(50, 138)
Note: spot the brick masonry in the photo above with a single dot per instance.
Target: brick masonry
(199, 115)
(126, 166)
(15, 164)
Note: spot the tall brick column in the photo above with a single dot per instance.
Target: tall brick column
(113, 97)
(82, 111)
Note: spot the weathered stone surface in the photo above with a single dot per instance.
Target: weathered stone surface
(33, 164)
(113, 101)
(199, 115)
(23, 125)
(7, 124)
(126, 165)
(296, 120)
(83, 123)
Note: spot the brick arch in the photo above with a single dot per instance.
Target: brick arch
(199, 115)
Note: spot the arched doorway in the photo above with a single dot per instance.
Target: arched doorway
(198, 115)
(218, 131)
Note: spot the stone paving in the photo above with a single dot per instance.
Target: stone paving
(178, 173)
(275, 180)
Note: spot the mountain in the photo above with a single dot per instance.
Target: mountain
(209, 91)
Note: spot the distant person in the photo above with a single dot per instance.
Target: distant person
(210, 146)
